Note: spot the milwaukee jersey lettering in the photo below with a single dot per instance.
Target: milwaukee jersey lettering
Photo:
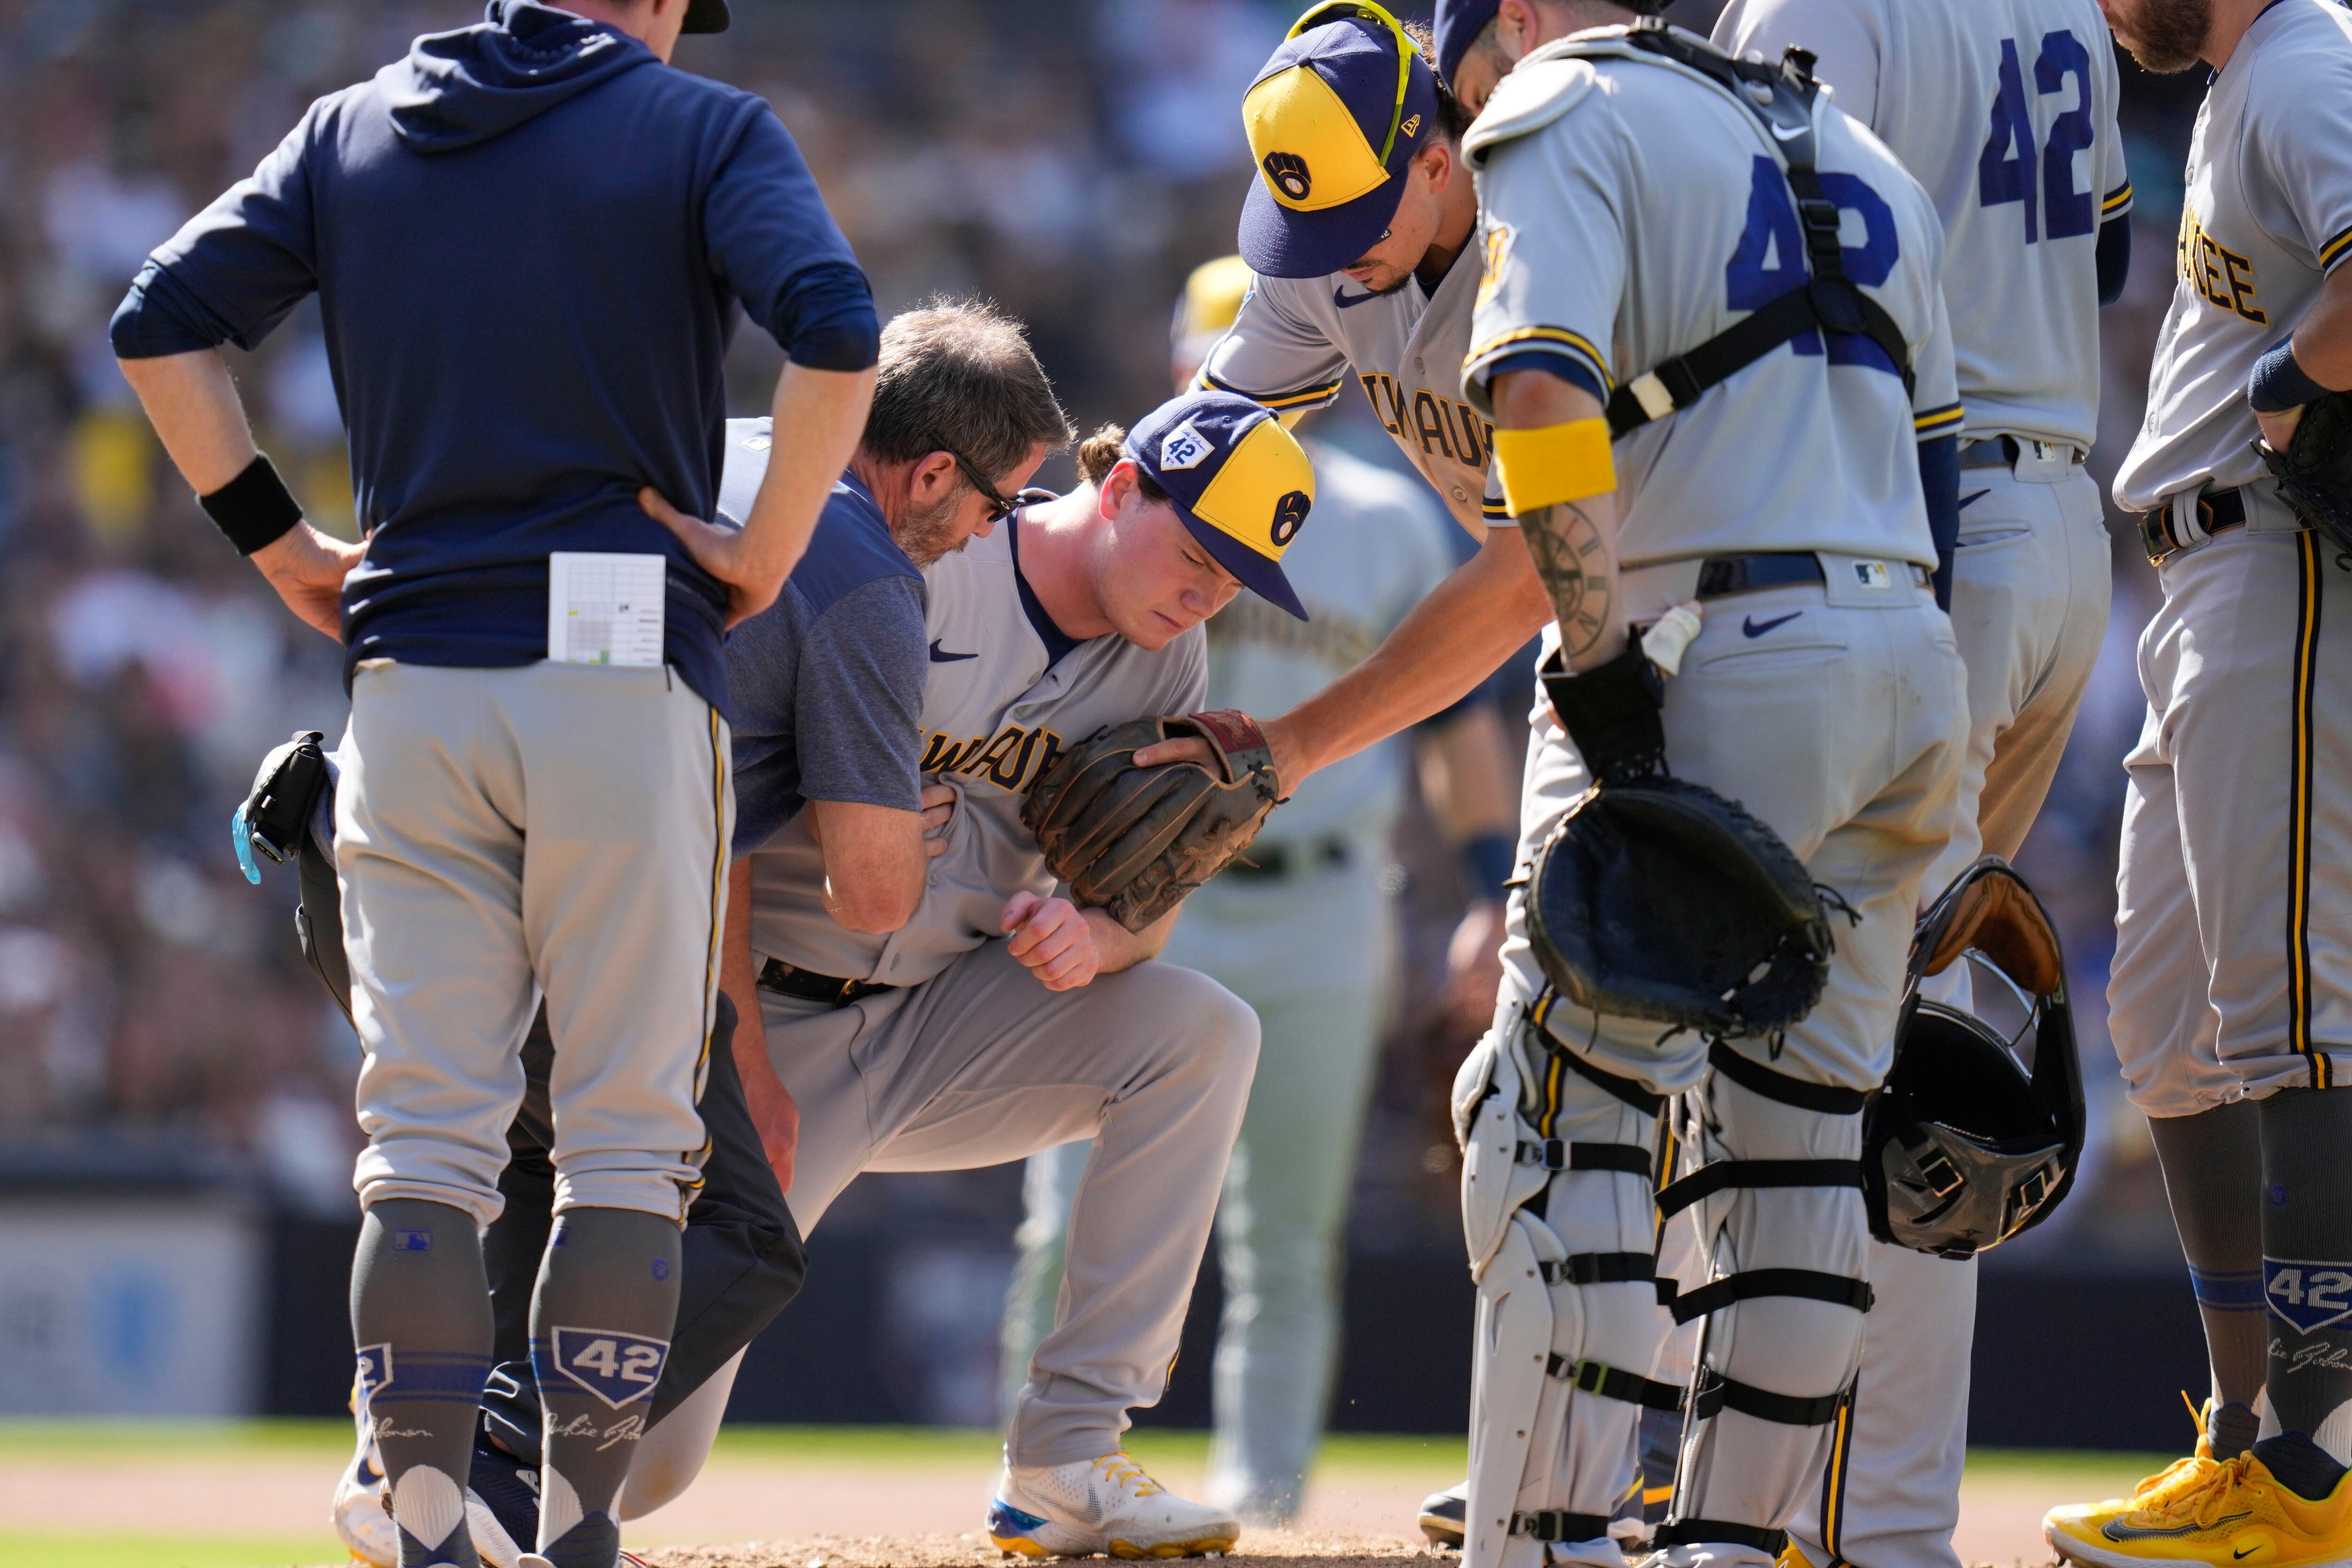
(2267, 215)
(997, 710)
(1299, 341)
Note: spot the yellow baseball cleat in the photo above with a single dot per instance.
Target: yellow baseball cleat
(2284, 1503)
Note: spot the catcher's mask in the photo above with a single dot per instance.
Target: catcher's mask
(1963, 1147)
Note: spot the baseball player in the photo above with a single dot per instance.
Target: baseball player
(2036, 238)
(828, 685)
(1320, 992)
(998, 1019)
(1688, 252)
(526, 335)
(2232, 977)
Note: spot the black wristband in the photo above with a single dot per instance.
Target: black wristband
(255, 509)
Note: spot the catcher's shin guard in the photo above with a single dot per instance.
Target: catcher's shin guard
(1558, 1205)
(1778, 1208)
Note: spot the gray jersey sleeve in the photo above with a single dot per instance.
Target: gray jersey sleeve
(1549, 196)
(2298, 154)
(1935, 408)
(1272, 357)
(1847, 38)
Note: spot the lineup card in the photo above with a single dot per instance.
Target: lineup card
(604, 609)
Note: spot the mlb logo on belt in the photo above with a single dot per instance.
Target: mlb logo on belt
(617, 1368)
(2308, 1297)
(1873, 574)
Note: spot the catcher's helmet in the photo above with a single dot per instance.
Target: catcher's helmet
(1963, 1147)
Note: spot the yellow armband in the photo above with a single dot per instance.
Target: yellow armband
(1559, 463)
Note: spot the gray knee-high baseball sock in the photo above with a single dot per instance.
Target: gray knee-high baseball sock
(421, 1318)
(600, 1330)
(2212, 1165)
(2306, 1228)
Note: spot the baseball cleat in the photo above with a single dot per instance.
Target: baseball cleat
(2232, 1422)
(2284, 1503)
(502, 1505)
(1080, 1510)
(360, 1519)
(1442, 1513)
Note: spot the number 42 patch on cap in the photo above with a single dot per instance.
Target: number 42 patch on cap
(617, 1368)
(2307, 1296)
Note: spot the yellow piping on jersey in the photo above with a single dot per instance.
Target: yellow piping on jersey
(1205, 381)
(2333, 251)
(1936, 420)
(1576, 341)
(2116, 200)
(2306, 661)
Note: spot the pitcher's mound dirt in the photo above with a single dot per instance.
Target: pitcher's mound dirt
(1264, 1549)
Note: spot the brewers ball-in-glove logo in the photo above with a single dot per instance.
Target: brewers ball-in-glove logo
(1288, 171)
(1290, 516)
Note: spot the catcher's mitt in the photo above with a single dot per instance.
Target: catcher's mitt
(1662, 899)
(1134, 841)
(2314, 472)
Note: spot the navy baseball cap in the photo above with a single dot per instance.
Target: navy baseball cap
(706, 16)
(1459, 22)
(1241, 482)
(1333, 118)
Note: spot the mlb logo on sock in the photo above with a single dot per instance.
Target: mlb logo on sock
(617, 1368)
(2307, 1296)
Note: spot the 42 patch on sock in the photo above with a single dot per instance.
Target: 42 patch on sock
(2307, 1296)
(617, 1368)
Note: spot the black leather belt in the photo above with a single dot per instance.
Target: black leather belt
(810, 986)
(2218, 511)
(1273, 861)
(1720, 575)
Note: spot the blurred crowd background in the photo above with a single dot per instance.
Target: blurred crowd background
(1071, 160)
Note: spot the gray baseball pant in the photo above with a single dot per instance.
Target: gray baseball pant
(502, 833)
(2031, 585)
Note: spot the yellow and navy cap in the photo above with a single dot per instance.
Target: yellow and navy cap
(1211, 303)
(1241, 482)
(1333, 119)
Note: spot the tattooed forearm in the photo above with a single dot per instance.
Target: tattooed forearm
(1578, 562)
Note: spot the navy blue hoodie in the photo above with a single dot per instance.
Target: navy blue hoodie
(530, 240)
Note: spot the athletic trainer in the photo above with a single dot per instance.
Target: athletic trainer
(529, 238)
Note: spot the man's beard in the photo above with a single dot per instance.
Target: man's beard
(927, 533)
(2169, 36)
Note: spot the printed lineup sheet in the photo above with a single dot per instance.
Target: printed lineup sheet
(604, 609)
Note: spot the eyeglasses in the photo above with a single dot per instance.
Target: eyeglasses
(999, 507)
(1407, 51)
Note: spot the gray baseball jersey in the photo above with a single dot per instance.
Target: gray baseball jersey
(1297, 341)
(998, 708)
(2004, 111)
(1595, 154)
(2267, 215)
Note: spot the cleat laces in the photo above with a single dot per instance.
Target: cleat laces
(1119, 1467)
(2199, 1500)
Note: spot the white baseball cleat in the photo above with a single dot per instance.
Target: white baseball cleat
(1080, 1510)
(360, 1517)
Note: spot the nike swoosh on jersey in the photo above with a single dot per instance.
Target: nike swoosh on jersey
(939, 658)
(1347, 301)
(1792, 133)
(1753, 628)
(1972, 495)
(2116, 1530)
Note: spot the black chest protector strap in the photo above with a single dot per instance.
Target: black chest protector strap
(1830, 302)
